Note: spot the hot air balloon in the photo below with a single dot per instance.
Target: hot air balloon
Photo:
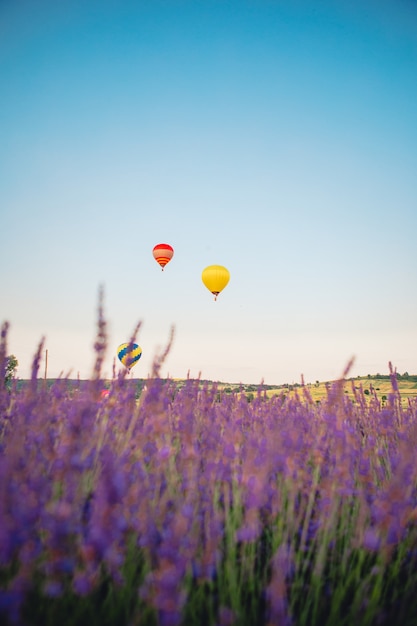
(215, 278)
(129, 354)
(163, 253)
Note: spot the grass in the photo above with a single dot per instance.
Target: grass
(376, 386)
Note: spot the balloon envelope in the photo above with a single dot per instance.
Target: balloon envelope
(163, 253)
(129, 354)
(215, 278)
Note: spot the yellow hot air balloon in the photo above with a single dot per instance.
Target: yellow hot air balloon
(215, 278)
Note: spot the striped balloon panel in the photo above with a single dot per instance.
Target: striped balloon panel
(163, 260)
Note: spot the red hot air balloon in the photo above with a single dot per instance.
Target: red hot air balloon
(163, 253)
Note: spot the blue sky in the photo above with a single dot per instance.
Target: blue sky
(278, 139)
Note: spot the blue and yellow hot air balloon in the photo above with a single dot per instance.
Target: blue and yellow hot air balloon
(129, 354)
(215, 278)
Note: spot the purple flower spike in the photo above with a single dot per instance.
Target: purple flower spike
(82, 584)
(53, 589)
(371, 540)
(227, 617)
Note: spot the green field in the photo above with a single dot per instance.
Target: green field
(372, 386)
(201, 503)
(368, 387)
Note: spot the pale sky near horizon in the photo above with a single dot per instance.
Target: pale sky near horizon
(278, 139)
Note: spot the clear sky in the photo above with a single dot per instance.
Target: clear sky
(276, 138)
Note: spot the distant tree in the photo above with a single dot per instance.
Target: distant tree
(406, 375)
(11, 367)
(366, 391)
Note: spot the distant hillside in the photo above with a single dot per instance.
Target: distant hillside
(378, 384)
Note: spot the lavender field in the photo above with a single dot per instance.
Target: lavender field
(190, 506)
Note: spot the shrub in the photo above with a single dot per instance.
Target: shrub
(190, 506)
